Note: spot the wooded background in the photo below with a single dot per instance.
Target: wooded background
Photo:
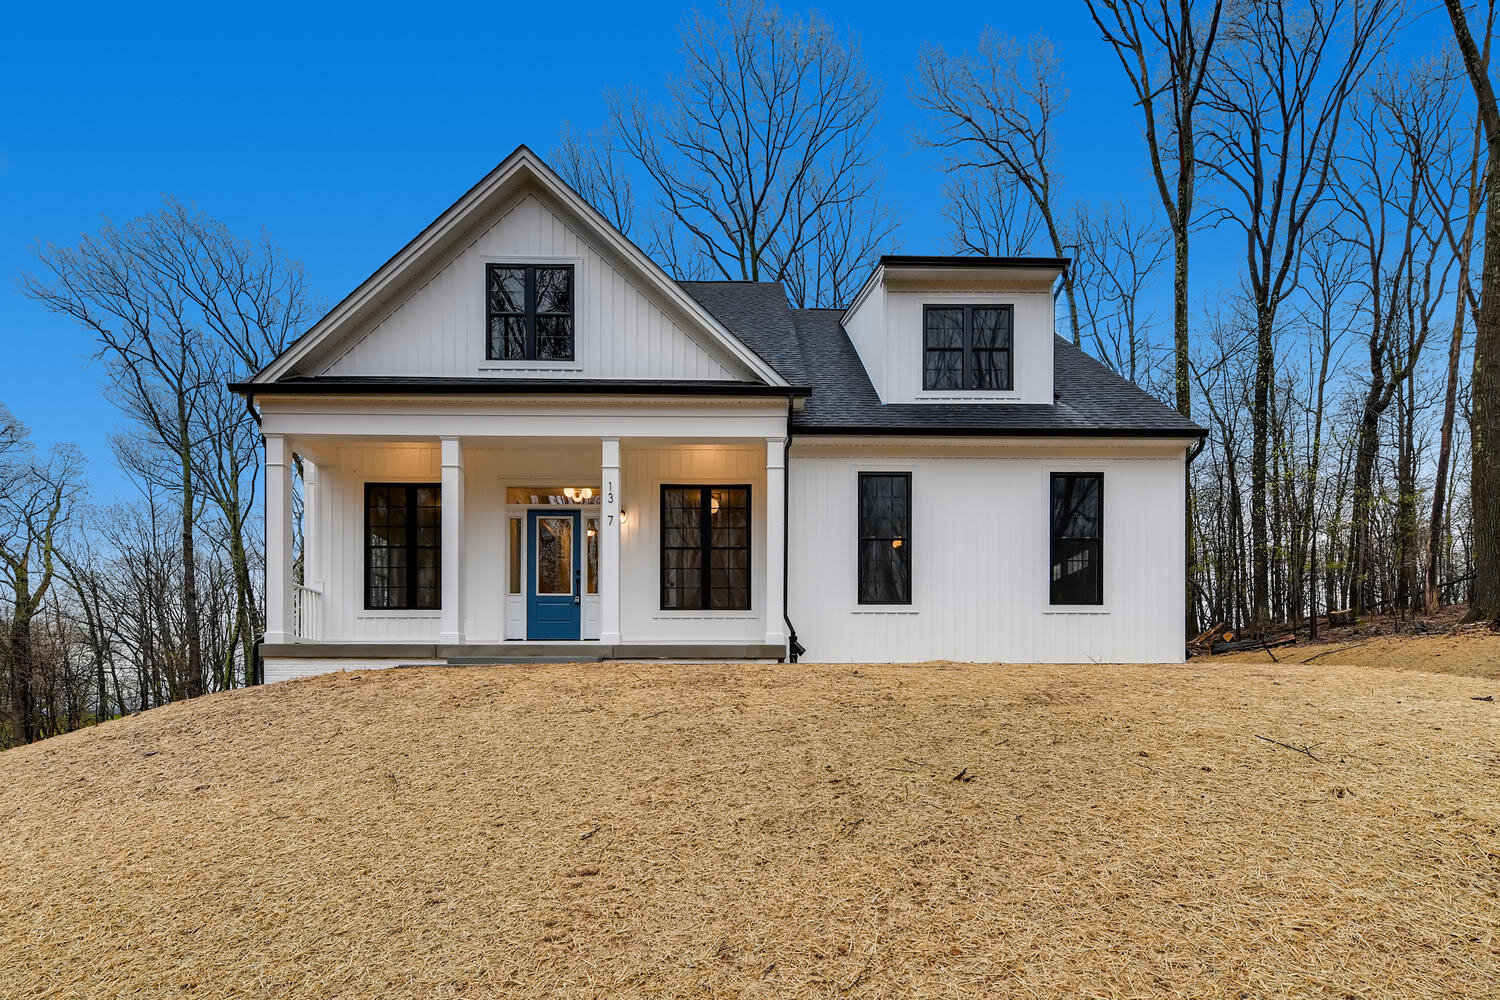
(1347, 377)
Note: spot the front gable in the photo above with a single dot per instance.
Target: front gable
(424, 314)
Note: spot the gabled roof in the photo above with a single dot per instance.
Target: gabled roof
(448, 230)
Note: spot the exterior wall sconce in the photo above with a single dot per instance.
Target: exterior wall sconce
(624, 517)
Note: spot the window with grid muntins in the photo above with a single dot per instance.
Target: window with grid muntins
(529, 312)
(885, 538)
(967, 347)
(403, 546)
(705, 548)
(1077, 538)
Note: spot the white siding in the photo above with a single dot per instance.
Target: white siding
(885, 326)
(620, 332)
(643, 470)
(980, 555)
(1031, 349)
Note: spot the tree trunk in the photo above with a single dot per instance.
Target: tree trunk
(1484, 489)
(1265, 373)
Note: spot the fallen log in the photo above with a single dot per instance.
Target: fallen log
(1268, 643)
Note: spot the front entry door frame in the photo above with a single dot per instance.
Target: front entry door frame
(554, 615)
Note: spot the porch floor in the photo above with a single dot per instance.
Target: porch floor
(583, 651)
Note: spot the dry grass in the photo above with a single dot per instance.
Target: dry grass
(767, 831)
(1474, 653)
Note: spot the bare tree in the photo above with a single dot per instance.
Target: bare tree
(1117, 256)
(1279, 86)
(762, 159)
(1165, 50)
(1468, 173)
(989, 214)
(1484, 489)
(180, 307)
(37, 497)
(588, 162)
(994, 111)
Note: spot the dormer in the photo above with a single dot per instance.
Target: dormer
(957, 329)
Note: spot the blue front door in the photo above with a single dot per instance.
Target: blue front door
(553, 596)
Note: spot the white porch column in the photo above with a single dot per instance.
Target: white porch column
(453, 542)
(278, 539)
(312, 562)
(775, 540)
(609, 542)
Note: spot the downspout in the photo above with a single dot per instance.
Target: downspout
(1187, 535)
(256, 666)
(794, 648)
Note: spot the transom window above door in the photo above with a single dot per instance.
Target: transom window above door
(529, 312)
(967, 347)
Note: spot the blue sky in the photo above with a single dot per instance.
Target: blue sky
(343, 129)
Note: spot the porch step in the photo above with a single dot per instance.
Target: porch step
(526, 652)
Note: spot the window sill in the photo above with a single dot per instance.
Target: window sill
(884, 609)
(664, 615)
(530, 366)
(973, 396)
(434, 614)
(1076, 609)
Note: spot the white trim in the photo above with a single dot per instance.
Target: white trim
(516, 169)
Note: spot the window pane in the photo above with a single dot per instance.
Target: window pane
(682, 578)
(554, 290)
(1077, 575)
(507, 289)
(706, 547)
(403, 546)
(943, 370)
(992, 369)
(515, 555)
(593, 555)
(884, 538)
(554, 338)
(554, 555)
(991, 327)
(507, 337)
(945, 328)
(884, 577)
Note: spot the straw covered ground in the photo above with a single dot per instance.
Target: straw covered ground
(768, 831)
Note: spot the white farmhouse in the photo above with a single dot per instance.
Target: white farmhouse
(520, 438)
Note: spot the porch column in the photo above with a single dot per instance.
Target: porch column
(453, 542)
(312, 565)
(775, 540)
(278, 539)
(609, 542)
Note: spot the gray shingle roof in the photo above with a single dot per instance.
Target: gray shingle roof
(809, 347)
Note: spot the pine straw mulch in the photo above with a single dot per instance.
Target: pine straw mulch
(1467, 651)
(767, 831)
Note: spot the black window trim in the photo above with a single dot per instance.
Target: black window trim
(411, 545)
(1073, 473)
(860, 538)
(706, 548)
(968, 346)
(529, 352)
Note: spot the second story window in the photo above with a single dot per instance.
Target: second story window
(967, 347)
(530, 312)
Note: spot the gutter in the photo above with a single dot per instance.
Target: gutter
(794, 648)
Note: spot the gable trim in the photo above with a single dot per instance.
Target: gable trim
(516, 167)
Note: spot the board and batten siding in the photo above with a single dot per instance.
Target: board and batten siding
(980, 541)
(489, 613)
(620, 331)
(886, 328)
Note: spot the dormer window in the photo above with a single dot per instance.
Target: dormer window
(530, 312)
(967, 348)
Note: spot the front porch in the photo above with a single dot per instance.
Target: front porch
(496, 547)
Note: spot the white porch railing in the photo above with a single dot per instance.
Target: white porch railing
(307, 612)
